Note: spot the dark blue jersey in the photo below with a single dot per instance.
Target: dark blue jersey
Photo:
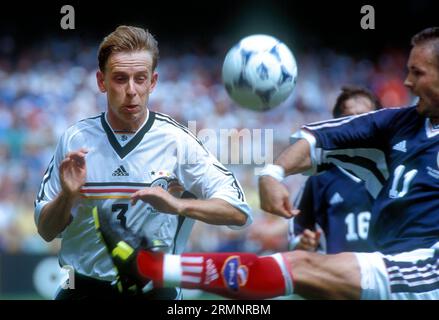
(396, 151)
(340, 204)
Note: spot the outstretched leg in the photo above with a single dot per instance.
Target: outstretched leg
(236, 275)
(247, 276)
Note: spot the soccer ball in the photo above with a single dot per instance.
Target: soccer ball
(259, 72)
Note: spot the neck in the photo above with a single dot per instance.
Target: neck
(131, 125)
(434, 121)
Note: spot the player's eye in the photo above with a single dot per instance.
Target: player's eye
(141, 78)
(417, 72)
(120, 78)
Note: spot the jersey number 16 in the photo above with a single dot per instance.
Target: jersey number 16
(357, 226)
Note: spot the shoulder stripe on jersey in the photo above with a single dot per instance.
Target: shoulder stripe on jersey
(92, 118)
(165, 118)
(122, 151)
(168, 119)
(332, 123)
(235, 183)
(174, 122)
(222, 168)
(337, 121)
(46, 178)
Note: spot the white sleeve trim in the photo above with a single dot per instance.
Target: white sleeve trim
(244, 208)
(315, 152)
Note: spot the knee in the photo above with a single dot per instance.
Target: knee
(299, 258)
(324, 276)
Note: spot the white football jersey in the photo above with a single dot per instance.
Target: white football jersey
(161, 153)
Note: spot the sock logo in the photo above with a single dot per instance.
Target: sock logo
(234, 274)
(211, 272)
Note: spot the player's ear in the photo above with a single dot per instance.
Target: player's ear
(154, 79)
(100, 79)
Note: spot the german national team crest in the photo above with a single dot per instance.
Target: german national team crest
(167, 181)
(234, 274)
(161, 182)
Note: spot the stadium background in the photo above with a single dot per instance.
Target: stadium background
(47, 82)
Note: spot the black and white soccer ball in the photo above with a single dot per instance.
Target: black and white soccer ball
(259, 72)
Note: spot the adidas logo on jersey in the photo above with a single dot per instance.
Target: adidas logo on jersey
(336, 198)
(400, 146)
(120, 172)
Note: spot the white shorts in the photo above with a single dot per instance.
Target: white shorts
(410, 275)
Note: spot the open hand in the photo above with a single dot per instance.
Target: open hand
(72, 172)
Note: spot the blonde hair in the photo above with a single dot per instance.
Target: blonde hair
(127, 39)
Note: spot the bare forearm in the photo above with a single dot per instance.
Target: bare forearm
(55, 216)
(274, 195)
(212, 211)
(296, 158)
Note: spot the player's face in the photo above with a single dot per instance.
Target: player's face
(128, 80)
(357, 105)
(423, 80)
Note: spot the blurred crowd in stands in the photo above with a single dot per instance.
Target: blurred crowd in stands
(46, 88)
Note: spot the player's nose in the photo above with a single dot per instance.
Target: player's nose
(131, 89)
(408, 82)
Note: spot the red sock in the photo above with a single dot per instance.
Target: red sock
(235, 275)
(150, 266)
